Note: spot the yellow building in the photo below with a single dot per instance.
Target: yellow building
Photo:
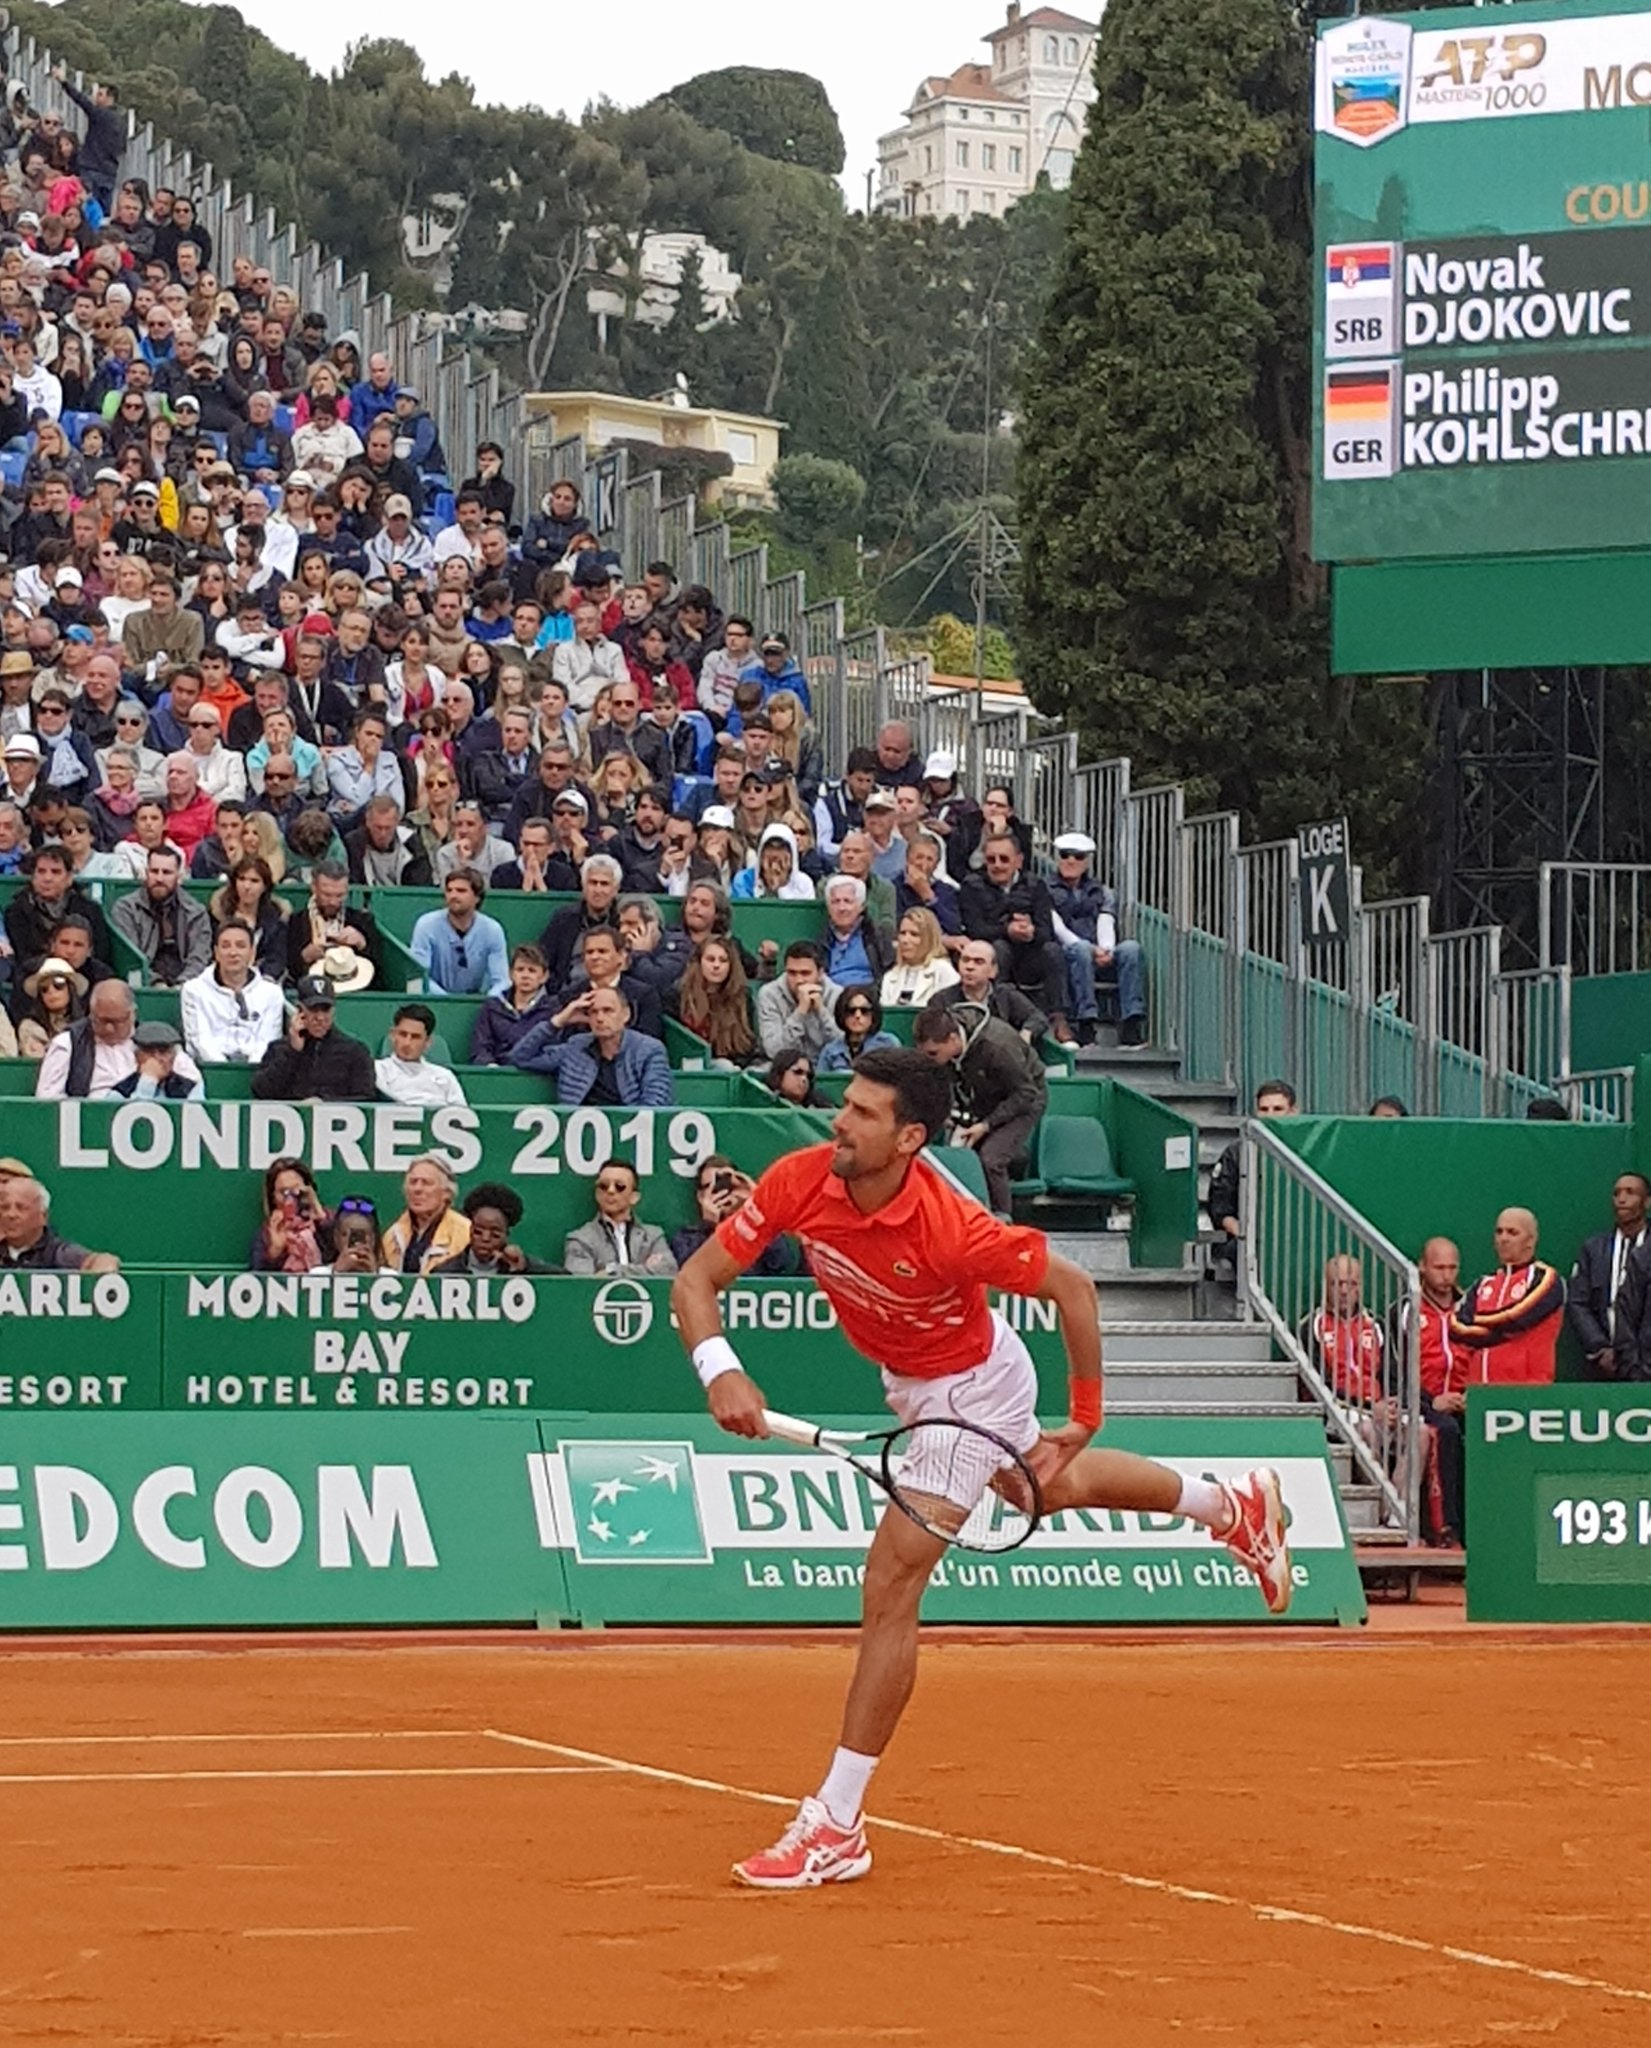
(750, 442)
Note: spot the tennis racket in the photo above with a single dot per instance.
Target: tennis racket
(958, 1481)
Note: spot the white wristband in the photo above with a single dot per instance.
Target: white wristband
(713, 1358)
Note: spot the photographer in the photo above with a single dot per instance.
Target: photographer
(296, 1233)
(719, 1189)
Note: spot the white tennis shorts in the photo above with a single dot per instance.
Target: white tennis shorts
(999, 1394)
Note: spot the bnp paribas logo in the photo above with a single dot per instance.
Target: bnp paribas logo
(634, 1503)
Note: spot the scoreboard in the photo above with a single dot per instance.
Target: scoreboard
(1482, 294)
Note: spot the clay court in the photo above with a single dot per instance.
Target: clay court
(1400, 1838)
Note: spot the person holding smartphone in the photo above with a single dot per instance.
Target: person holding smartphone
(295, 1236)
(720, 1190)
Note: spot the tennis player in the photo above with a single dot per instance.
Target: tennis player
(906, 1261)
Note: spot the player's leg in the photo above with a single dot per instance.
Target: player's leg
(1247, 1515)
(826, 1843)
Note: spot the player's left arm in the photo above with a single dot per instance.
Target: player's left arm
(1072, 1291)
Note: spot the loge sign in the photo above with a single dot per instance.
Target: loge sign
(1483, 285)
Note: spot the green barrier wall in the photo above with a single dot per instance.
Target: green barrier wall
(525, 917)
(202, 1520)
(1610, 1020)
(1420, 1177)
(401, 1345)
(1559, 1504)
(148, 1179)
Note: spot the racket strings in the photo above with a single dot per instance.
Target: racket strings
(962, 1484)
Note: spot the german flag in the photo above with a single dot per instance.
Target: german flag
(1357, 395)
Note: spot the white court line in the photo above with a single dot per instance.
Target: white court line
(201, 1777)
(1189, 1894)
(248, 1735)
(314, 1933)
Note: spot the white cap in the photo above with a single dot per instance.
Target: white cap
(716, 815)
(940, 766)
(300, 480)
(572, 799)
(22, 746)
(1075, 842)
(68, 574)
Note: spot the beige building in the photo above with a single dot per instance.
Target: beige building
(750, 442)
(975, 142)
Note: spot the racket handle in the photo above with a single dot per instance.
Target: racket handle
(790, 1429)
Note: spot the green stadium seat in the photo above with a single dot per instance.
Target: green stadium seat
(964, 1166)
(1074, 1160)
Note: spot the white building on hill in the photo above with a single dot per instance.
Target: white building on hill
(974, 142)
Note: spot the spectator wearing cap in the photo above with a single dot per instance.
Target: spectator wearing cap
(587, 661)
(947, 802)
(1086, 930)
(230, 1012)
(399, 555)
(538, 798)
(23, 769)
(406, 1074)
(462, 951)
(35, 912)
(17, 672)
(888, 847)
(313, 1061)
(417, 440)
(27, 1238)
(99, 1051)
(170, 930)
(156, 1076)
(775, 668)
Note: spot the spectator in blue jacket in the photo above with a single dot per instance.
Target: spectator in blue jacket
(374, 397)
(607, 1065)
(462, 952)
(776, 669)
(550, 532)
(507, 1019)
(1086, 927)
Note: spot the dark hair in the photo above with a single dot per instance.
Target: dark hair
(696, 598)
(531, 955)
(1547, 1109)
(717, 1162)
(935, 1025)
(626, 1165)
(739, 619)
(493, 1194)
(862, 761)
(468, 497)
(417, 1013)
(661, 569)
(856, 992)
(803, 949)
(232, 924)
(781, 1064)
(922, 1090)
(474, 876)
(273, 1172)
(1276, 1088)
(1392, 1103)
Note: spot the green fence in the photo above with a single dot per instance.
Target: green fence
(1610, 1020)
(166, 1521)
(149, 1179)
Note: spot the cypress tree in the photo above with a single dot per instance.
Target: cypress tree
(1168, 604)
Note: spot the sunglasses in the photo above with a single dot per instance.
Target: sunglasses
(203, 725)
(613, 1187)
(857, 1009)
(356, 1205)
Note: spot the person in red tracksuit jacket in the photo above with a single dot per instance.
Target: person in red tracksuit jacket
(1511, 1319)
(1444, 1365)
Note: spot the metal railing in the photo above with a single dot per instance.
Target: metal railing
(1603, 1095)
(1595, 917)
(1301, 1243)
(1232, 987)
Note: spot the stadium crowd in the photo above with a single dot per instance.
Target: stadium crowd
(254, 638)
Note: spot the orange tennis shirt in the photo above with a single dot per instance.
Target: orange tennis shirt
(908, 1283)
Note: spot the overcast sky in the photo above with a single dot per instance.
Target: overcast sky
(869, 54)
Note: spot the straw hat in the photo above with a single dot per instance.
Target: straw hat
(348, 971)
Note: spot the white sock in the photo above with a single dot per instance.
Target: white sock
(844, 1791)
(1206, 1501)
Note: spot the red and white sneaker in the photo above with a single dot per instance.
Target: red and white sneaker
(1257, 1539)
(813, 1850)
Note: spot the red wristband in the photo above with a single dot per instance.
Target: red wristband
(1085, 1399)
